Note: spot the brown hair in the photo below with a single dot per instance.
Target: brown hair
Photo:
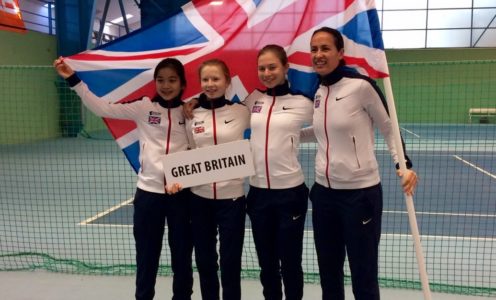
(277, 50)
(219, 63)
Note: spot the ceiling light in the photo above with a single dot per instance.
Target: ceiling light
(120, 19)
(216, 3)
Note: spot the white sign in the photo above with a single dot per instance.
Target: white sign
(209, 164)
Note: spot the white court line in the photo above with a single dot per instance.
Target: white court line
(443, 214)
(129, 201)
(394, 235)
(475, 166)
(409, 236)
(440, 237)
(438, 214)
(99, 215)
(88, 221)
(398, 235)
(411, 132)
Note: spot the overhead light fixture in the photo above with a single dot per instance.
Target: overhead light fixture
(120, 19)
(216, 3)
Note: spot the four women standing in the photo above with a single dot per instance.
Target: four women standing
(346, 197)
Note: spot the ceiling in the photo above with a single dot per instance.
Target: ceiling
(130, 7)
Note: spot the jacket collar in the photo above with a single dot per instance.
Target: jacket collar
(212, 103)
(175, 102)
(279, 90)
(332, 77)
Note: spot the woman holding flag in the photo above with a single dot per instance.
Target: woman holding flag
(161, 130)
(347, 194)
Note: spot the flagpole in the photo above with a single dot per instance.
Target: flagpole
(408, 198)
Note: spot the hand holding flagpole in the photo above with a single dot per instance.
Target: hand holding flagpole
(408, 196)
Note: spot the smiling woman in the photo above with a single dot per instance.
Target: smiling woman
(277, 201)
(347, 194)
(152, 205)
(218, 208)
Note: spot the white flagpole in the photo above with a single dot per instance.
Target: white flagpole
(408, 198)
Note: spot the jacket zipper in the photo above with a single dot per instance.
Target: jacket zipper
(215, 143)
(356, 153)
(327, 138)
(267, 173)
(169, 129)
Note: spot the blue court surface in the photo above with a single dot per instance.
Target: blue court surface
(456, 192)
(71, 199)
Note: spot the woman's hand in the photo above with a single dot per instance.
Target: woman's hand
(173, 189)
(409, 181)
(188, 108)
(62, 68)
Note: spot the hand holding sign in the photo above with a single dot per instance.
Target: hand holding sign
(173, 188)
(208, 164)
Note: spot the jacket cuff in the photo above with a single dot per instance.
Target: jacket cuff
(408, 163)
(73, 80)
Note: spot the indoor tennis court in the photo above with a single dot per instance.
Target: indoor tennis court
(66, 188)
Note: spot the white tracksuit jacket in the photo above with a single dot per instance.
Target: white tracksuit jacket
(277, 117)
(216, 122)
(347, 106)
(160, 129)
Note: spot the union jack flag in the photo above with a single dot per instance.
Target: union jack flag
(122, 70)
(153, 120)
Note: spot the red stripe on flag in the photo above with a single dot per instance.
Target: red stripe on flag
(301, 58)
(304, 59)
(119, 128)
(147, 90)
(101, 57)
(314, 12)
(361, 62)
(223, 18)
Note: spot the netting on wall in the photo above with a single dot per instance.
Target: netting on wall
(66, 188)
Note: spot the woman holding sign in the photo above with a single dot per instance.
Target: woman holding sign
(218, 206)
(161, 130)
(277, 201)
(347, 194)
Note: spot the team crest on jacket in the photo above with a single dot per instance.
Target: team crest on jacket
(316, 101)
(154, 118)
(199, 129)
(256, 109)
